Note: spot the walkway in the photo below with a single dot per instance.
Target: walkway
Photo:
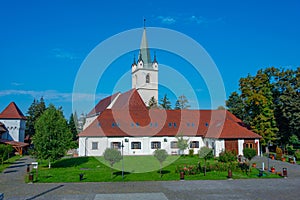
(14, 188)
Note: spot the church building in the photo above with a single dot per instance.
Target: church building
(125, 119)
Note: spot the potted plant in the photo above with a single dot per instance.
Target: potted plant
(273, 169)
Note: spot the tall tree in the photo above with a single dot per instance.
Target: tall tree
(165, 103)
(161, 155)
(236, 106)
(255, 105)
(153, 103)
(72, 127)
(53, 136)
(35, 110)
(182, 103)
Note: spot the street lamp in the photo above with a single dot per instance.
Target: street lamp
(269, 144)
(122, 146)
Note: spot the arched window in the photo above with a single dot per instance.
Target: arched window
(147, 78)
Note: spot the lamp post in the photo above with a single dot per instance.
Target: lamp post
(122, 146)
(269, 144)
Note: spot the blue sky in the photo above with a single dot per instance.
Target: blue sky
(43, 43)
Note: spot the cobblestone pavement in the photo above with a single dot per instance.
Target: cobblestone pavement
(13, 186)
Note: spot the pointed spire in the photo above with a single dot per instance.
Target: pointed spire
(134, 61)
(140, 57)
(144, 50)
(154, 60)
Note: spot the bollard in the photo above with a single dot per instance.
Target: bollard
(229, 174)
(31, 177)
(80, 177)
(181, 175)
(284, 172)
(28, 168)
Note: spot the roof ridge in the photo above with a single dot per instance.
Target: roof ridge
(12, 111)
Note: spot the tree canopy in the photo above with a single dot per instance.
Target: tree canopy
(269, 103)
(35, 110)
(182, 143)
(153, 103)
(161, 155)
(53, 136)
(165, 103)
(182, 103)
(112, 156)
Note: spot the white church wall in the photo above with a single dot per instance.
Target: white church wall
(142, 146)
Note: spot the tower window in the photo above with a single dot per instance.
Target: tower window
(147, 78)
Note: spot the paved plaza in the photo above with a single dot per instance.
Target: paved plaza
(13, 186)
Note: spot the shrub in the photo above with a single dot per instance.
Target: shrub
(297, 154)
(290, 149)
(227, 156)
(249, 153)
(278, 153)
(191, 152)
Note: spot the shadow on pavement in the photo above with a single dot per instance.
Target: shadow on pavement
(43, 193)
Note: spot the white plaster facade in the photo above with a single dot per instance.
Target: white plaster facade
(16, 129)
(147, 145)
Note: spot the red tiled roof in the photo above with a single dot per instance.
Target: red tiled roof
(130, 100)
(12, 112)
(102, 105)
(205, 123)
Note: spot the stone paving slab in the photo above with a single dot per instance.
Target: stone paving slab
(132, 196)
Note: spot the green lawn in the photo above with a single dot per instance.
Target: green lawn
(137, 168)
(8, 162)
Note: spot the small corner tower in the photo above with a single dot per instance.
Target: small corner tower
(145, 72)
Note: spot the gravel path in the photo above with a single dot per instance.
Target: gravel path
(13, 186)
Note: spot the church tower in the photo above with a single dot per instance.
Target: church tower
(145, 73)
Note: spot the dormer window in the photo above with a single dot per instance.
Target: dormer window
(147, 78)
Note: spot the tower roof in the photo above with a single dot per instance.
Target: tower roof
(144, 50)
(12, 112)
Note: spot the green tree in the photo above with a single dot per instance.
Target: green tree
(236, 106)
(182, 143)
(72, 126)
(255, 105)
(35, 110)
(221, 108)
(53, 136)
(287, 101)
(165, 103)
(112, 156)
(5, 150)
(182, 103)
(205, 153)
(161, 155)
(153, 103)
(249, 153)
